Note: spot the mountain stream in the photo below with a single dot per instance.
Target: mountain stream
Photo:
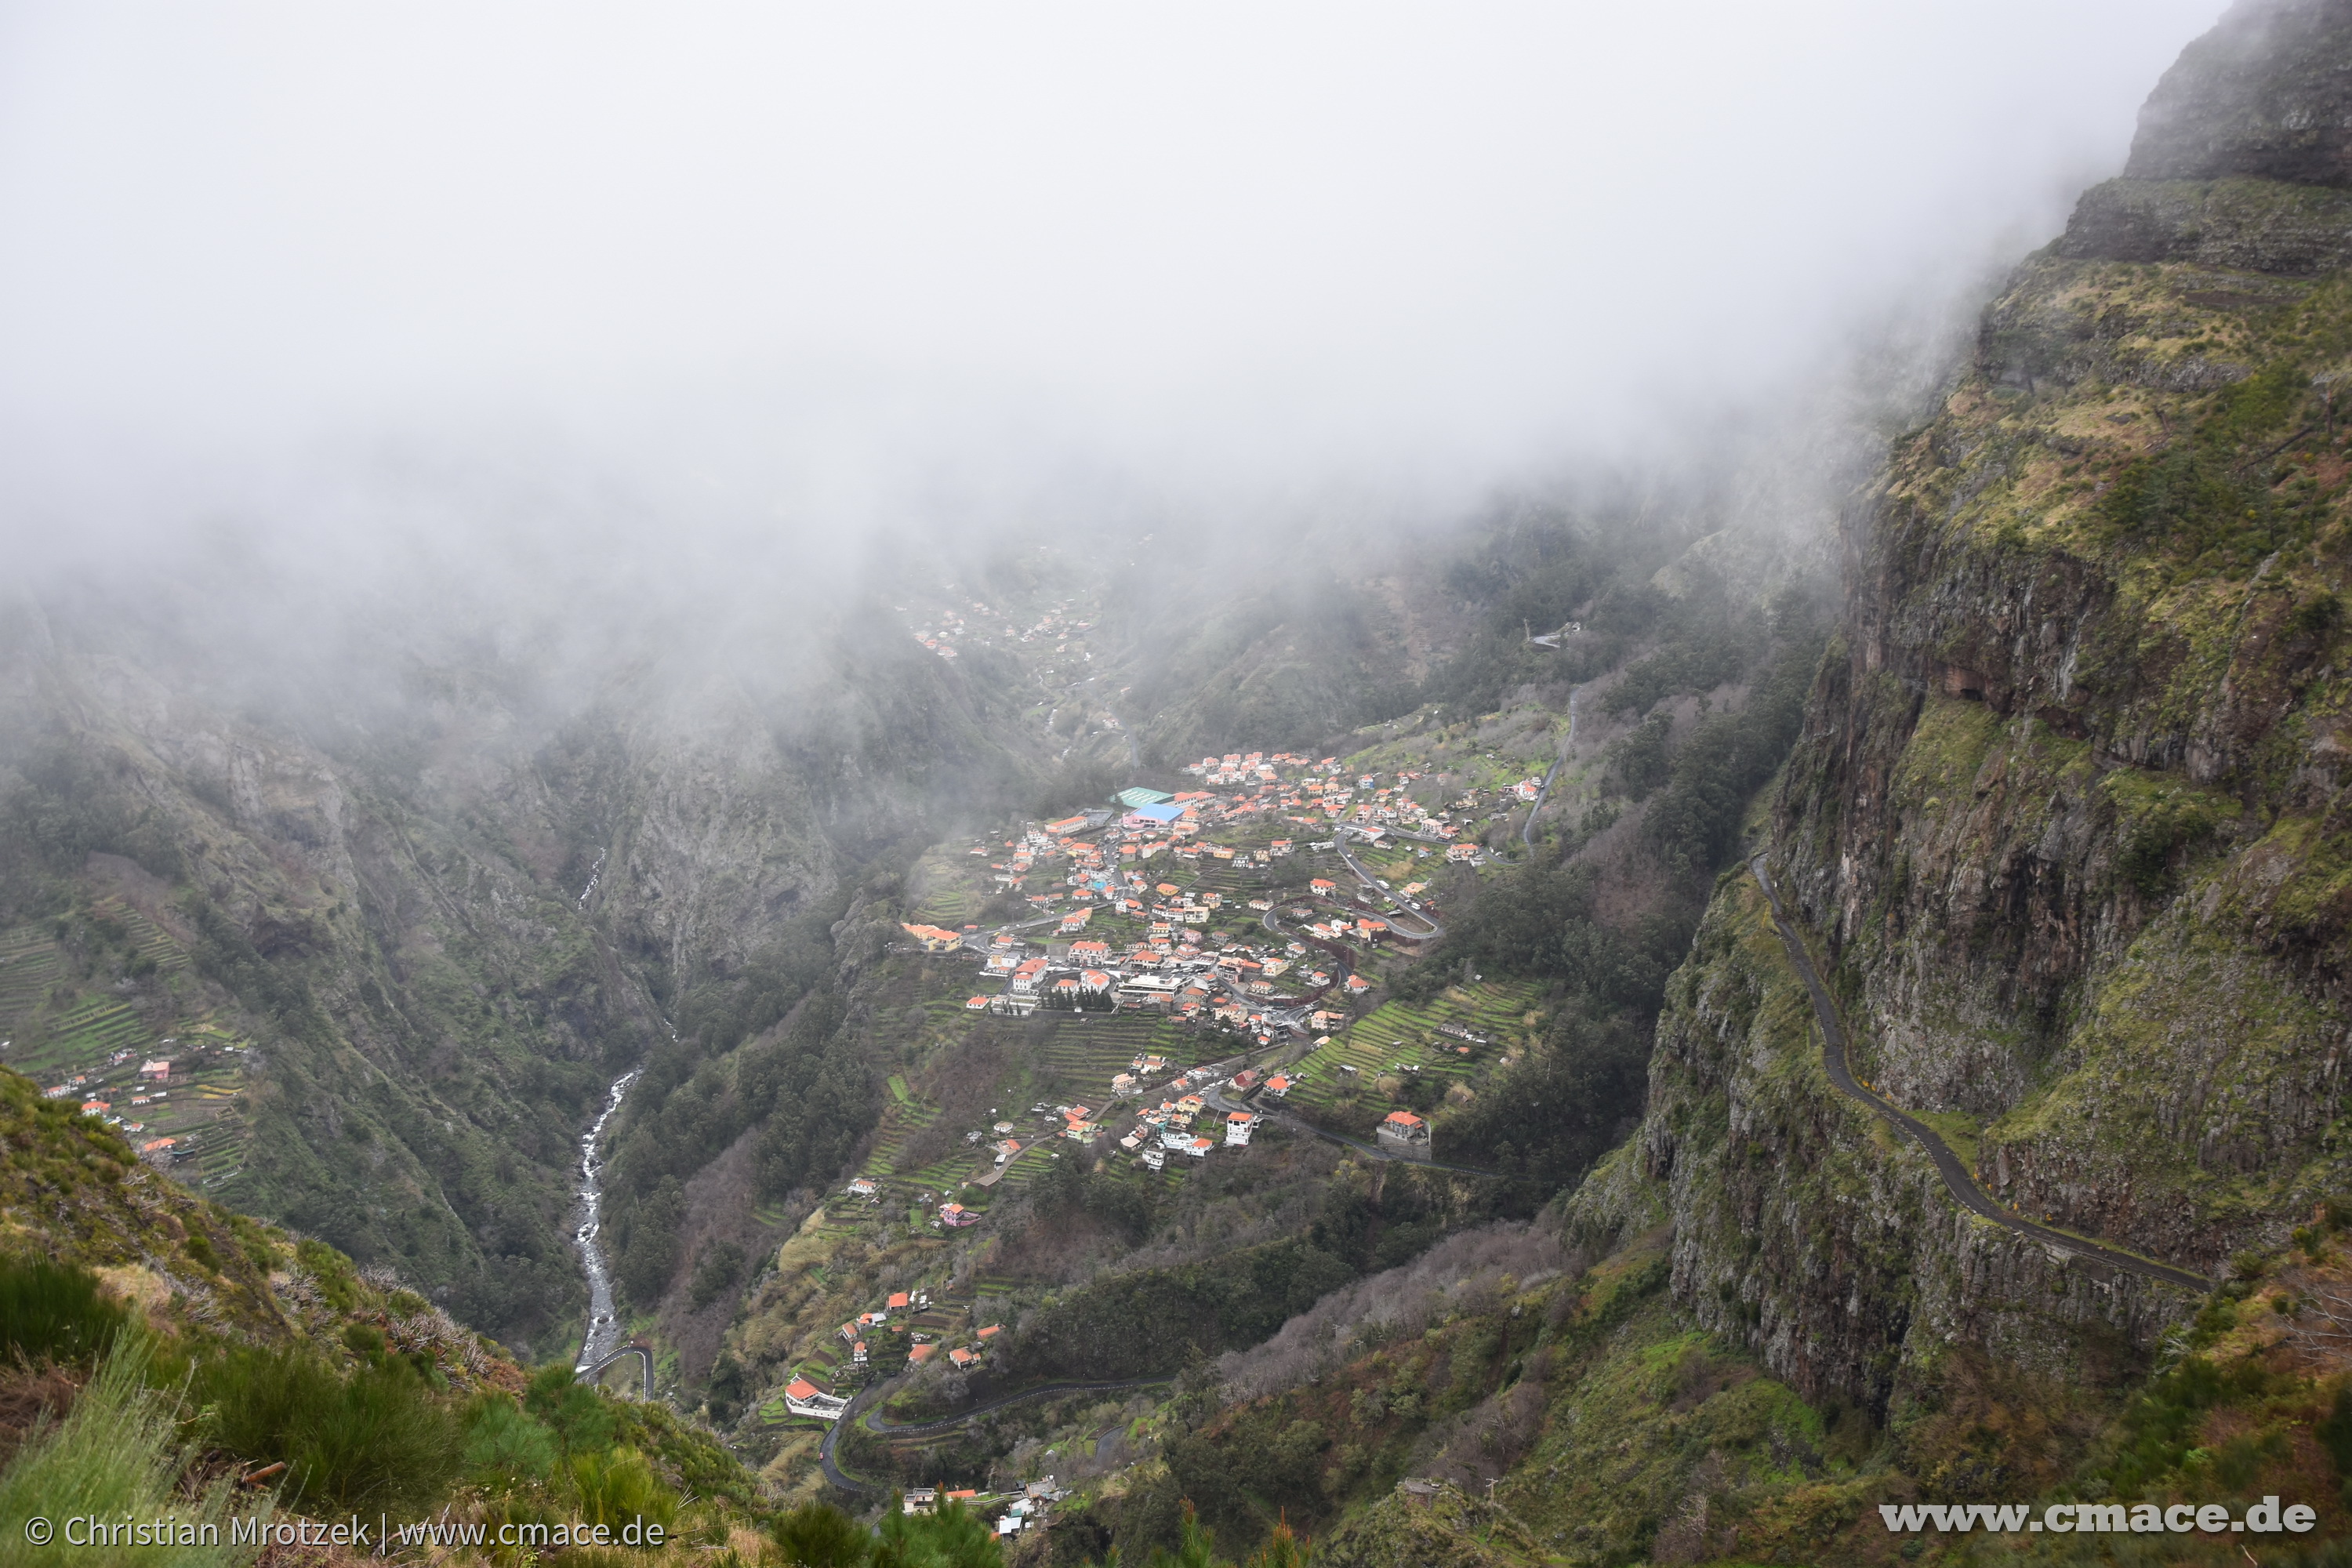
(604, 1323)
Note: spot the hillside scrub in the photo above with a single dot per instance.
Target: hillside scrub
(117, 1454)
(167, 1344)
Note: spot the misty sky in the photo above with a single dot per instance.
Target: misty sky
(788, 256)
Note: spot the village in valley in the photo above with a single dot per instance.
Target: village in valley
(1208, 967)
(170, 1088)
(1182, 986)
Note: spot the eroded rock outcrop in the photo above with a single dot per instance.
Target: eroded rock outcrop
(2068, 815)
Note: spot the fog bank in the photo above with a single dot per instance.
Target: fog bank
(601, 295)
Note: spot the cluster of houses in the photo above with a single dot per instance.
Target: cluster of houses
(1363, 803)
(151, 1079)
(1025, 1511)
(894, 1317)
(939, 633)
(1236, 985)
(1183, 1125)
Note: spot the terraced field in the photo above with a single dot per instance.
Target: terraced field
(104, 1041)
(1086, 1053)
(1399, 1034)
(150, 941)
(30, 964)
(949, 907)
(82, 1037)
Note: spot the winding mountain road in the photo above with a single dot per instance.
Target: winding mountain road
(644, 1358)
(1528, 828)
(842, 1478)
(1958, 1179)
(1371, 882)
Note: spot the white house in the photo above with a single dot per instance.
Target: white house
(802, 1397)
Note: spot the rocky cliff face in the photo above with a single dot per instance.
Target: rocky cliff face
(2244, 152)
(2068, 814)
(2267, 94)
(444, 926)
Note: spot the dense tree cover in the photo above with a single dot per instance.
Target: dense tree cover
(58, 806)
(1694, 827)
(808, 1090)
(1643, 759)
(1371, 1234)
(1570, 1097)
(1712, 645)
(1566, 1102)
(1155, 1321)
(1279, 658)
(1540, 919)
(1068, 1189)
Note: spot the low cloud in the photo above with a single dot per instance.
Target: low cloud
(602, 303)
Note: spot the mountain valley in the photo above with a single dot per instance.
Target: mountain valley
(1702, 1018)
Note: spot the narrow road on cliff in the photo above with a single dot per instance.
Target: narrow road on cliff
(873, 1423)
(1958, 1179)
(1528, 828)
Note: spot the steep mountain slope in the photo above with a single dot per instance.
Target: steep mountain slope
(2064, 823)
(440, 924)
(2062, 829)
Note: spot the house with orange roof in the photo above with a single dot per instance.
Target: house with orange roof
(989, 1333)
(1405, 1134)
(803, 1397)
(918, 1355)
